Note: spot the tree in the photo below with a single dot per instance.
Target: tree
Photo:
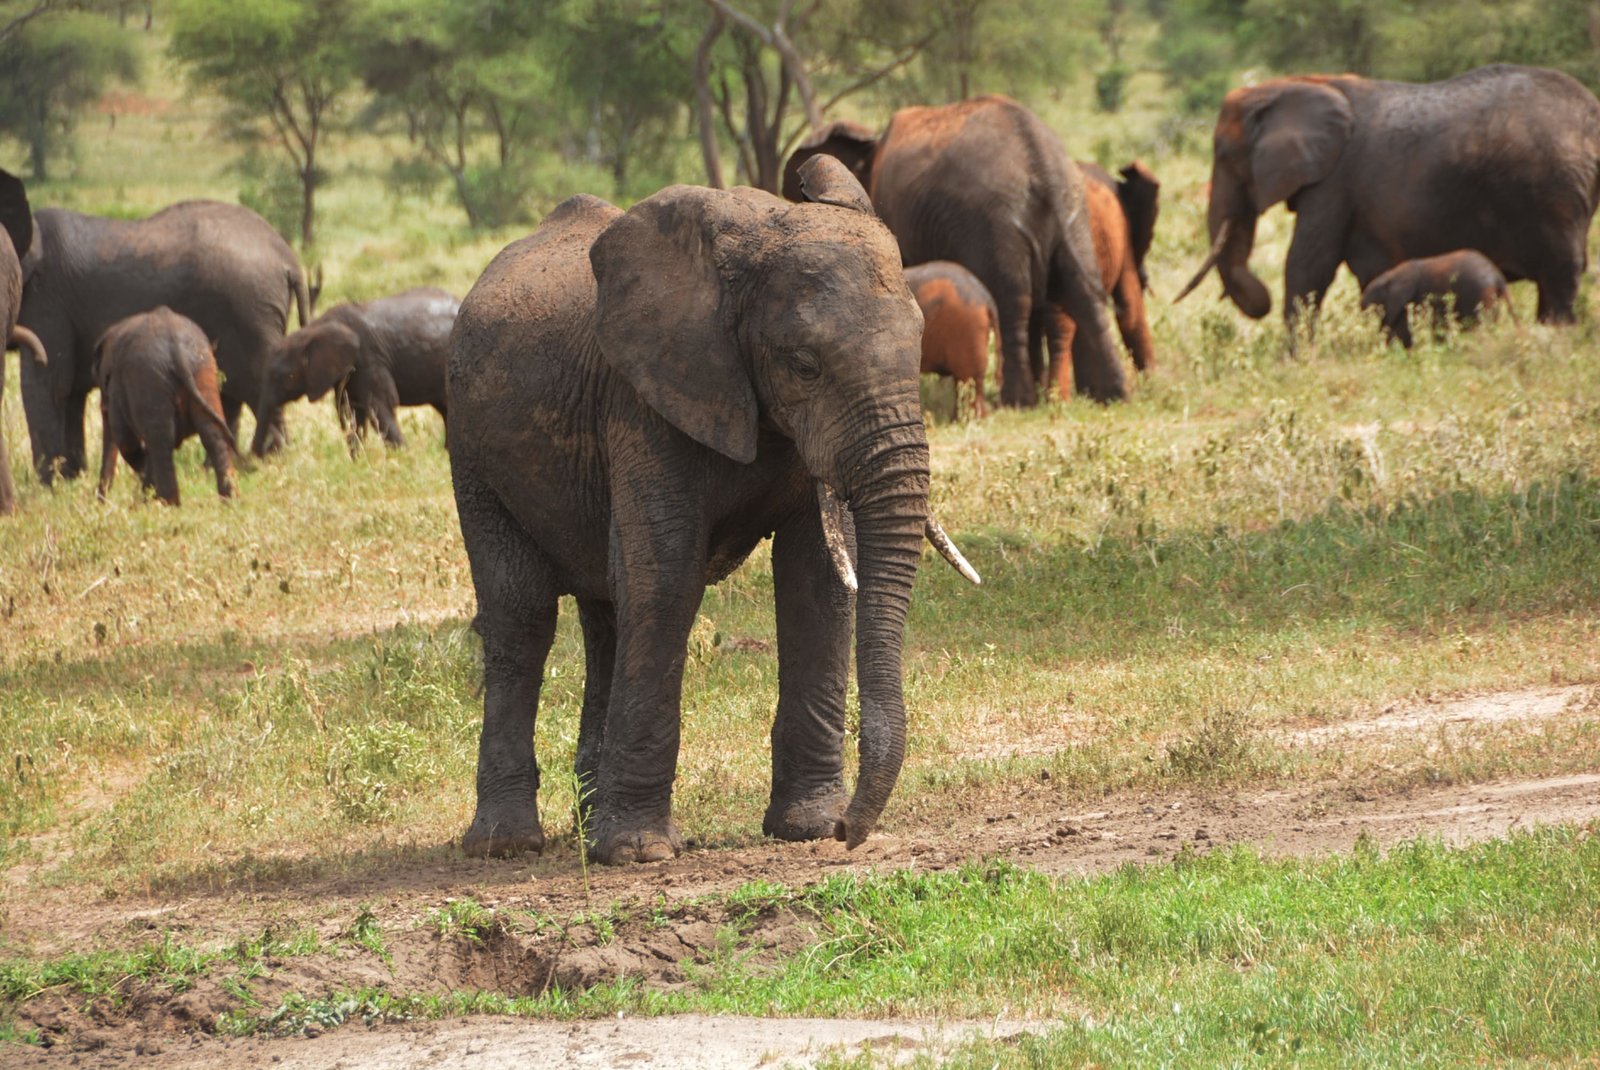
(282, 66)
(53, 63)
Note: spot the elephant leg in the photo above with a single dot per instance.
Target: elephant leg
(385, 400)
(160, 469)
(1017, 388)
(599, 621)
(108, 449)
(815, 612)
(1075, 287)
(517, 603)
(1314, 258)
(658, 561)
(1061, 345)
(77, 455)
(1043, 347)
(8, 489)
(231, 408)
(1128, 297)
(1557, 280)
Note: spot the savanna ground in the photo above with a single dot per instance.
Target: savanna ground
(1274, 729)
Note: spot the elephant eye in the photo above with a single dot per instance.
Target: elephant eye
(806, 364)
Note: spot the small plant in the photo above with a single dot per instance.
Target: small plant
(1223, 746)
(366, 931)
(464, 918)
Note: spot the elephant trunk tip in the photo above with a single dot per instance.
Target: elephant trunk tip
(852, 833)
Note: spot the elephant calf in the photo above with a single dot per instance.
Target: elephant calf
(958, 317)
(376, 356)
(157, 376)
(1466, 275)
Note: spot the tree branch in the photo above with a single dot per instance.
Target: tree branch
(702, 100)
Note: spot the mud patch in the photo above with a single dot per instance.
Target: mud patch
(1527, 706)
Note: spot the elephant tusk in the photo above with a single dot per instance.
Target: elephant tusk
(1211, 259)
(948, 551)
(832, 510)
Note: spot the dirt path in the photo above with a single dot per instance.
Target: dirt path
(1035, 829)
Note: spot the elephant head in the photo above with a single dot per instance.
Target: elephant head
(850, 143)
(16, 218)
(733, 313)
(1271, 141)
(306, 364)
(1139, 193)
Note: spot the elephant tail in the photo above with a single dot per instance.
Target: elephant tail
(203, 409)
(24, 339)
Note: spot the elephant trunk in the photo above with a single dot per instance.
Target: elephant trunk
(888, 494)
(1231, 222)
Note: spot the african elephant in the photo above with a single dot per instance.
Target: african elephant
(1122, 217)
(1501, 159)
(16, 232)
(158, 385)
(958, 316)
(1466, 275)
(377, 355)
(984, 183)
(221, 265)
(639, 398)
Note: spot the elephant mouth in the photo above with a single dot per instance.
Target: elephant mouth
(832, 508)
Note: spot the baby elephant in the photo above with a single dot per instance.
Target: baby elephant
(958, 315)
(1467, 274)
(158, 385)
(375, 355)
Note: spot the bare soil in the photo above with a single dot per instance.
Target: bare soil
(671, 917)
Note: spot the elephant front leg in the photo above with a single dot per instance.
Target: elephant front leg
(599, 621)
(1315, 254)
(815, 613)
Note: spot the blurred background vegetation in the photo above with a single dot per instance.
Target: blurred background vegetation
(504, 106)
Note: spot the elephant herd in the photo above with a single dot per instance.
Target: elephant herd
(638, 398)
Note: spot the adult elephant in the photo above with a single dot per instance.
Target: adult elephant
(984, 183)
(376, 355)
(221, 265)
(16, 232)
(1501, 159)
(637, 399)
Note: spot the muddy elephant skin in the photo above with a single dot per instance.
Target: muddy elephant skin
(958, 318)
(220, 265)
(376, 355)
(638, 399)
(1467, 277)
(16, 232)
(986, 184)
(158, 385)
(1502, 159)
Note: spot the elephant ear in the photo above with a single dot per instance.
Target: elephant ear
(660, 319)
(1139, 193)
(826, 180)
(1297, 137)
(330, 359)
(15, 214)
(850, 143)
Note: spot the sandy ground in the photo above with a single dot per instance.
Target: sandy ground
(158, 1029)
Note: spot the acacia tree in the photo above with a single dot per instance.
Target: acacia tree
(54, 61)
(282, 66)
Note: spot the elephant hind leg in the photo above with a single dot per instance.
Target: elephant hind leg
(517, 603)
(1558, 290)
(8, 489)
(160, 468)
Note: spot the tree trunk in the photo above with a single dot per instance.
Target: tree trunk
(702, 101)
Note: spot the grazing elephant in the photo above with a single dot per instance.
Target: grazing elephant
(378, 355)
(1122, 216)
(986, 184)
(16, 232)
(958, 316)
(221, 265)
(1501, 159)
(1466, 274)
(639, 398)
(158, 385)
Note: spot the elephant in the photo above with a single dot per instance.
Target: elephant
(16, 232)
(1122, 216)
(158, 385)
(221, 265)
(958, 317)
(1502, 159)
(376, 355)
(1466, 275)
(986, 184)
(638, 399)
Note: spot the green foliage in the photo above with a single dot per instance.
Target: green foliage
(50, 70)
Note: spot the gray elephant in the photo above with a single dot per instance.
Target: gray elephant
(1503, 159)
(638, 399)
(158, 385)
(986, 184)
(377, 355)
(16, 232)
(218, 264)
(1466, 277)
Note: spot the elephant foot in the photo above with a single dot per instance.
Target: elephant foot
(616, 843)
(812, 818)
(495, 837)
